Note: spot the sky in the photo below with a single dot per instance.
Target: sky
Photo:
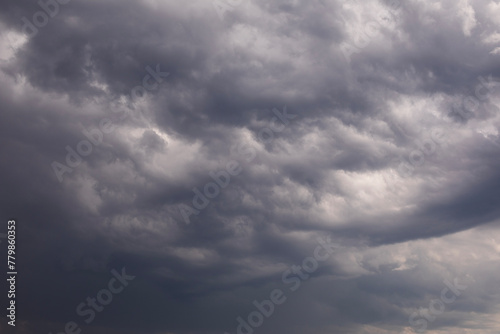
(251, 166)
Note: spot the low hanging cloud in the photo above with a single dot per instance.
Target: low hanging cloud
(207, 146)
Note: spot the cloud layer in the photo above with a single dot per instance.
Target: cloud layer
(374, 124)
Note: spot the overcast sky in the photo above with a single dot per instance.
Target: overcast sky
(343, 155)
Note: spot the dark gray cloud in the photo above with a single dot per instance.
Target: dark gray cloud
(373, 123)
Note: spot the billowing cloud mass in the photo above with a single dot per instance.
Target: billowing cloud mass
(280, 166)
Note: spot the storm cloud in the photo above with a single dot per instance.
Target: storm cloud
(336, 161)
